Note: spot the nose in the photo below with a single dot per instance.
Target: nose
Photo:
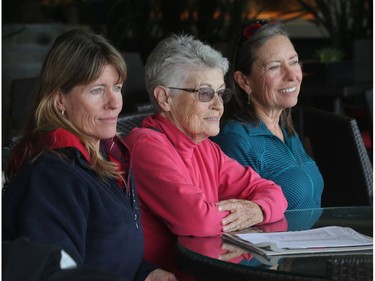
(289, 73)
(217, 102)
(114, 100)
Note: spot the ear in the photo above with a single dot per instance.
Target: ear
(59, 100)
(162, 97)
(242, 81)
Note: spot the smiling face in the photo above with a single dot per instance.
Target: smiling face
(276, 75)
(94, 108)
(198, 120)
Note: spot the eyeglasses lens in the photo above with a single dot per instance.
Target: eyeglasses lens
(226, 95)
(207, 94)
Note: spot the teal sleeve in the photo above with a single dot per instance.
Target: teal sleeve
(238, 147)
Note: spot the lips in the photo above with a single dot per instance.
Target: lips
(109, 119)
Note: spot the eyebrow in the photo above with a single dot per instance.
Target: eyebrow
(104, 84)
(267, 63)
(209, 85)
(294, 56)
(279, 61)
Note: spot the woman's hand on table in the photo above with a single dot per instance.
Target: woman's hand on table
(161, 275)
(242, 214)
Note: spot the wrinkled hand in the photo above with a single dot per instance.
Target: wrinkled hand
(242, 214)
(161, 275)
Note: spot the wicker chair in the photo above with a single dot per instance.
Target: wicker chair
(126, 122)
(20, 99)
(336, 144)
(350, 268)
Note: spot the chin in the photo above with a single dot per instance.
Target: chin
(109, 135)
(214, 133)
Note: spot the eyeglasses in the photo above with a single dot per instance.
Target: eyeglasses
(207, 94)
(248, 29)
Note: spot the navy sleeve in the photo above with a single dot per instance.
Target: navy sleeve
(48, 210)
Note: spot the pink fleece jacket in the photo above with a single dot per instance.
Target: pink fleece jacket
(179, 183)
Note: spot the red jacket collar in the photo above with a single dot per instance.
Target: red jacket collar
(61, 138)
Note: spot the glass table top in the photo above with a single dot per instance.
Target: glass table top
(214, 249)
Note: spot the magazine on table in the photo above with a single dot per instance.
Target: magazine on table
(277, 259)
(323, 240)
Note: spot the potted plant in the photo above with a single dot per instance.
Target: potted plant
(344, 20)
(328, 67)
(329, 54)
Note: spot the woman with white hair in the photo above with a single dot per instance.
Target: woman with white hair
(186, 184)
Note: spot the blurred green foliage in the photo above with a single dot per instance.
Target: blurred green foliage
(329, 55)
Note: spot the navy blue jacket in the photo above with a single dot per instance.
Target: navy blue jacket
(61, 201)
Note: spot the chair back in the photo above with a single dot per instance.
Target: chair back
(337, 146)
(353, 267)
(126, 122)
(20, 99)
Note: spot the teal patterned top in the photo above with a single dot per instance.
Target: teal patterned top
(285, 163)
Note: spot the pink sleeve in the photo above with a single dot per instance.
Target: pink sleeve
(168, 192)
